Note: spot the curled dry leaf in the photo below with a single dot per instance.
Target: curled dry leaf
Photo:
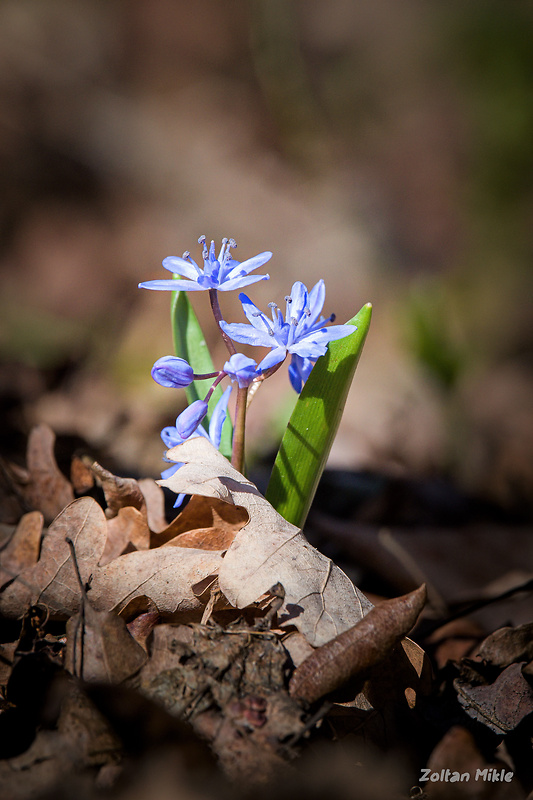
(155, 504)
(81, 475)
(165, 575)
(501, 705)
(22, 550)
(119, 492)
(205, 523)
(508, 645)
(47, 489)
(320, 600)
(100, 647)
(354, 652)
(127, 531)
(457, 753)
(53, 581)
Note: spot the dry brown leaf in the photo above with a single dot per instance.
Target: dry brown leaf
(119, 492)
(356, 651)
(13, 480)
(47, 490)
(319, 598)
(155, 504)
(128, 530)
(204, 514)
(456, 754)
(52, 581)
(165, 575)
(501, 705)
(22, 550)
(81, 476)
(100, 647)
(507, 645)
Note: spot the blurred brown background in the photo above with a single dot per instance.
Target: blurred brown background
(384, 146)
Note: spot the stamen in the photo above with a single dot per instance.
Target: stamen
(264, 321)
(224, 254)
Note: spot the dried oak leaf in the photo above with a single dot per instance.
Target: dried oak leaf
(125, 532)
(457, 753)
(155, 504)
(320, 600)
(508, 645)
(501, 705)
(22, 550)
(53, 581)
(119, 492)
(47, 490)
(100, 647)
(205, 523)
(166, 575)
(356, 651)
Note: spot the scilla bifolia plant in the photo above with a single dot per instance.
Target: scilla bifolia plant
(302, 332)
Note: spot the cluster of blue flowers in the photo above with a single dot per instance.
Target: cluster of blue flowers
(302, 333)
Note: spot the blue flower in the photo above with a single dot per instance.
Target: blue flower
(242, 369)
(172, 372)
(303, 334)
(188, 420)
(171, 437)
(223, 273)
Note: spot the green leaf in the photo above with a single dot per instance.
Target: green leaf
(312, 427)
(190, 344)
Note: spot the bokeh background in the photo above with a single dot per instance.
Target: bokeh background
(384, 146)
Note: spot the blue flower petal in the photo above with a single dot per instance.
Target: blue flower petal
(240, 283)
(218, 418)
(171, 286)
(246, 334)
(271, 359)
(308, 349)
(249, 265)
(182, 267)
(317, 296)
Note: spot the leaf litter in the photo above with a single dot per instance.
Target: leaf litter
(226, 627)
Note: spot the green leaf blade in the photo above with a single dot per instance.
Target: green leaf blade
(313, 425)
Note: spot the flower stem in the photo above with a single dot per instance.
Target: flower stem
(237, 455)
(217, 313)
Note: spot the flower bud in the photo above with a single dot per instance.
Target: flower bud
(188, 420)
(172, 372)
(242, 369)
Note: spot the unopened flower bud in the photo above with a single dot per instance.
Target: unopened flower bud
(172, 372)
(188, 420)
(242, 369)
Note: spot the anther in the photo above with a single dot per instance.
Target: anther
(288, 298)
(232, 243)
(202, 239)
